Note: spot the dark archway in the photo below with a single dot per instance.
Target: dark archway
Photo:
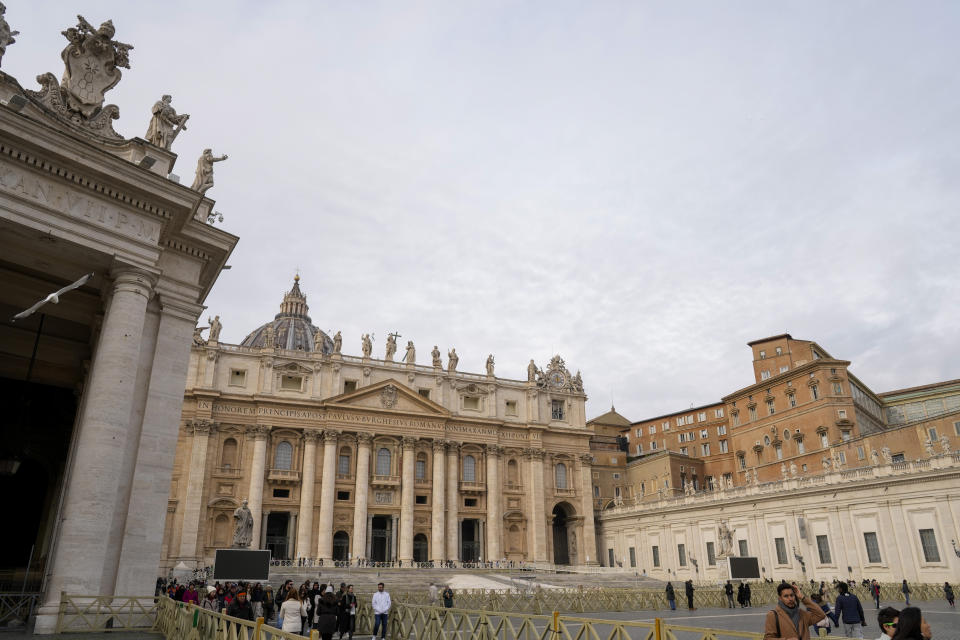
(470, 540)
(341, 546)
(420, 548)
(561, 549)
(380, 539)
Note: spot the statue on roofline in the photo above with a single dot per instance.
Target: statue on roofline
(6, 35)
(166, 124)
(203, 179)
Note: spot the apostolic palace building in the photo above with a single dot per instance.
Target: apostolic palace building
(362, 458)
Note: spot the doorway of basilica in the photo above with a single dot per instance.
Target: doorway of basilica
(380, 539)
(561, 553)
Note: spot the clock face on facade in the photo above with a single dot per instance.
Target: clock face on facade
(557, 379)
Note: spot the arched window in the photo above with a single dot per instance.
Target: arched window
(383, 461)
(228, 456)
(469, 469)
(283, 458)
(560, 472)
(343, 462)
(786, 434)
(221, 531)
(421, 466)
(513, 475)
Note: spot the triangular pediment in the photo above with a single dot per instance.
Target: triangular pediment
(388, 395)
(291, 368)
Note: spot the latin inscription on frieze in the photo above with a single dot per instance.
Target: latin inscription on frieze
(383, 497)
(75, 204)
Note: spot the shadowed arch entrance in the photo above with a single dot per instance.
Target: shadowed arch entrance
(561, 521)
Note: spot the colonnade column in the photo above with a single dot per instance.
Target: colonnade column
(200, 430)
(586, 504)
(327, 486)
(257, 471)
(537, 520)
(406, 501)
(360, 495)
(438, 492)
(307, 484)
(494, 520)
(453, 501)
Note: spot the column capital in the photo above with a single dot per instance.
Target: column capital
(311, 435)
(534, 454)
(330, 435)
(364, 439)
(132, 279)
(439, 446)
(453, 446)
(409, 442)
(494, 450)
(259, 432)
(178, 307)
(586, 459)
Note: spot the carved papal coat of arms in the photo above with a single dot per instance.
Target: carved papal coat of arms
(388, 396)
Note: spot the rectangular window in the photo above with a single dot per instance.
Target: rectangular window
(343, 465)
(656, 556)
(238, 378)
(718, 413)
(753, 413)
(722, 430)
(845, 436)
(742, 461)
(736, 419)
(770, 408)
(724, 447)
(420, 470)
(510, 408)
(616, 492)
(683, 451)
(473, 403)
(765, 375)
(343, 495)
(837, 389)
(291, 383)
(800, 447)
(639, 433)
(610, 557)
(841, 414)
(421, 500)
(711, 555)
(823, 549)
(928, 540)
(682, 554)
(281, 493)
(956, 427)
(704, 434)
(596, 491)
(793, 400)
(814, 392)
(653, 445)
(784, 369)
(873, 546)
(898, 457)
(616, 476)
(470, 502)
(861, 454)
(424, 393)
(652, 429)
(823, 440)
(779, 451)
(665, 425)
(932, 432)
(702, 416)
(349, 386)
(743, 548)
(556, 411)
(842, 457)
(633, 557)
(639, 448)
(705, 449)
(763, 354)
(781, 546)
(779, 351)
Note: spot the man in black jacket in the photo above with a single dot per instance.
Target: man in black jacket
(728, 589)
(688, 588)
(240, 607)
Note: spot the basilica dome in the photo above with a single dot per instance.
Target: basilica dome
(291, 328)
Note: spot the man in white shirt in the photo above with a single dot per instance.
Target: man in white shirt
(381, 608)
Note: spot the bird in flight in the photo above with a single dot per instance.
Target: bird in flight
(53, 298)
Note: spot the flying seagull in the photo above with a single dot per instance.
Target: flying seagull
(53, 297)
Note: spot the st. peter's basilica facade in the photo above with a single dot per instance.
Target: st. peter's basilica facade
(362, 459)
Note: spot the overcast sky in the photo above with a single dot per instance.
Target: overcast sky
(640, 187)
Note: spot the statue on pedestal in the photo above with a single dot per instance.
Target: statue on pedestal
(724, 539)
(490, 365)
(793, 469)
(874, 457)
(532, 371)
(928, 446)
(435, 354)
(410, 357)
(783, 470)
(391, 346)
(215, 328)
(886, 455)
(337, 342)
(242, 526)
(945, 445)
(452, 360)
(268, 341)
(366, 345)
(198, 336)
(6, 35)
(204, 177)
(165, 124)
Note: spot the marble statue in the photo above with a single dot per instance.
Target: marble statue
(577, 382)
(337, 342)
(204, 178)
(366, 345)
(490, 365)
(242, 526)
(886, 455)
(91, 60)
(724, 539)
(268, 341)
(166, 124)
(928, 446)
(435, 354)
(945, 445)
(215, 328)
(532, 371)
(748, 479)
(783, 469)
(410, 357)
(452, 360)
(825, 463)
(198, 336)
(874, 457)
(6, 35)
(391, 347)
(793, 469)
(756, 476)
(573, 544)
(835, 462)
